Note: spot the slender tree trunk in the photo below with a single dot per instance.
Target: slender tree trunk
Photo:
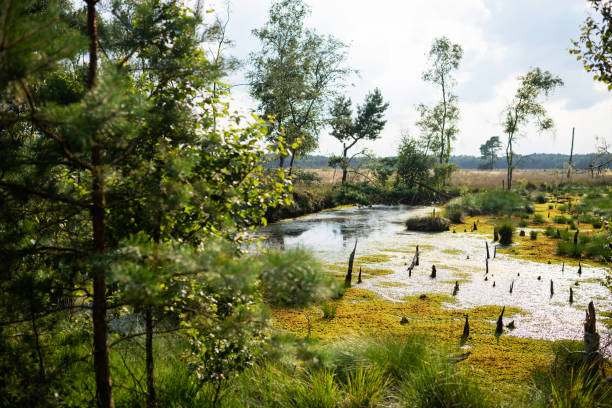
(151, 398)
(104, 394)
(281, 161)
(291, 163)
(442, 135)
(569, 165)
(509, 161)
(344, 165)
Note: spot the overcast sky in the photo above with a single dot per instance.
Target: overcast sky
(501, 39)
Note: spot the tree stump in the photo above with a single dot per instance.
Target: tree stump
(456, 288)
(494, 251)
(433, 271)
(466, 331)
(571, 299)
(486, 266)
(359, 277)
(511, 286)
(349, 273)
(579, 268)
(500, 323)
(552, 289)
(493, 283)
(416, 256)
(475, 226)
(593, 357)
(576, 238)
(487, 245)
(495, 235)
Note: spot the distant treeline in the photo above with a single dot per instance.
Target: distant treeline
(532, 161)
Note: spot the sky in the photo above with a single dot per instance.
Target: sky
(388, 42)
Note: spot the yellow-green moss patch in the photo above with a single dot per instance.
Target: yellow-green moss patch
(371, 259)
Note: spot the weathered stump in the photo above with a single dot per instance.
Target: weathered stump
(579, 268)
(493, 283)
(433, 271)
(494, 251)
(511, 286)
(416, 256)
(499, 329)
(359, 277)
(487, 245)
(552, 289)
(456, 288)
(475, 226)
(571, 299)
(576, 237)
(349, 273)
(592, 357)
(466, 331)
(486, 266)
(495, 235)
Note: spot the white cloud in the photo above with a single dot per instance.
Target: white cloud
(389, 40)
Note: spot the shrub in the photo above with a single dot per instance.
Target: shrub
(538, 219)
(572, 225)
(533, 235)
(596, 224)
(306, 177)
(560, 219)
(550, 232)
(429, 223)
(454, 214)
(295, 278)
(329, 310)
(522, 233)
(523, 223)
(505, 231)
(493, 202)
(541, 198)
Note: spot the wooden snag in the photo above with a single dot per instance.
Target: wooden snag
(359, 277)
(552, 289)
(433, 271)
(349, 273)
(511, 286)
(579, 268)
(487, 245)
(466, 331)
(571, 299)
(416, 256)
(500, 323)
(456, 288)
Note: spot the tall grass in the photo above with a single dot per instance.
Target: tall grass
(492, 202)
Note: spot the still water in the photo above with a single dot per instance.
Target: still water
(380, 230)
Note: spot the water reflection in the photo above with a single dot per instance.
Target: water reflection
(458, 257)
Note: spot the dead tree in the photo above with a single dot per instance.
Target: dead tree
(511, 286)
(475, 226)
(563, 267)
(552, 289)
(433, 271)
(487, 266)
(415, 262)
(576, 238)
(579, 268)
(487, 245)
(416, 256)
(456, 288)
(349, 273)
(494, 251)
(359, 277)
(571, 299)
(499, 329)
(592, 356)
(466, 331)
(493, 283)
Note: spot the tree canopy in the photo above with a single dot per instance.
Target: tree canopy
(294, 76)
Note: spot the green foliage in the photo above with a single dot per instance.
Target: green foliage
(593, 44)
(541, 198)
(489, 152)
(533, 235)
(295, 278)
(367, 124)
(438, 124)
(454, 214)
(526, 107)
(505, 231)
(329, 310)
(305, 177)
(492, 202)
(522, 223)
(365, 387)
(294, 75)
(431, 223)
(538, 219)
(412, 164)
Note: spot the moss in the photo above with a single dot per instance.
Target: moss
(390, 284)
(503, 364)
(371, 259)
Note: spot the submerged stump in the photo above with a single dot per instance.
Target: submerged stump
(456, 288)
(499, 329)
(349, 273)
(433, 271)
(466, 331)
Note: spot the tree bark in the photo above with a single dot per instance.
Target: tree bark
(344, 165)
(104, 394)
(151, 398)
